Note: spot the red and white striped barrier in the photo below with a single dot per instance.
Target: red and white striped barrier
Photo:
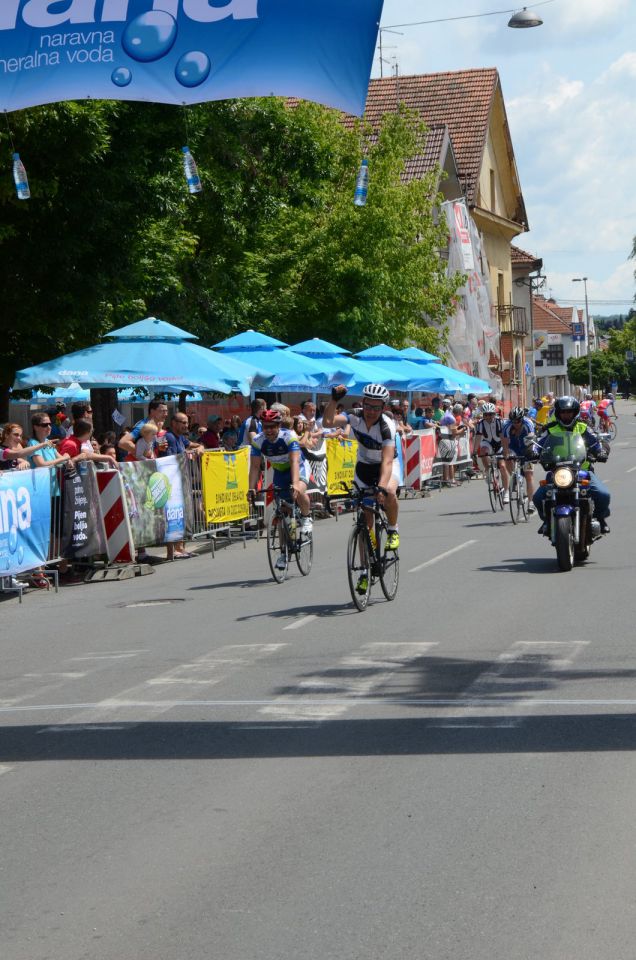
(413, 464)
(114, 511)
(420, 456)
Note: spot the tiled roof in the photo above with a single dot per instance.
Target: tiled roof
(563, 313)
(432, 158)
(544, 317)
(461, 99)
(521, 258)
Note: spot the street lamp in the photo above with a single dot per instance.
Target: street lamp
(525, 18)
(588, 341)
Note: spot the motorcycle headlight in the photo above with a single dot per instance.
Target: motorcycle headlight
(563, 477)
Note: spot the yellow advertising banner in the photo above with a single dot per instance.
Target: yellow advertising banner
(341, 464)
(225, 485)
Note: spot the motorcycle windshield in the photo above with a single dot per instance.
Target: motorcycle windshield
(563, 448)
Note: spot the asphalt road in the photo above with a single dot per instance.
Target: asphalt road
(253, 772)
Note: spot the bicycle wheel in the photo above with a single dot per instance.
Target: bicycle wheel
(514, 494)
(612, 430)
(492, 493)
(305, 552)
(388, 565)
(277, 547)
(358, 566)
(499, 490)
(523, 499)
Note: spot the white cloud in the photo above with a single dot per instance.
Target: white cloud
(611, 288)
(588, 17)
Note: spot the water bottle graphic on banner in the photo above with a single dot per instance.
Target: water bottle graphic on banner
(172, 501)
(191, 173)
(20, 178)
(362, 185)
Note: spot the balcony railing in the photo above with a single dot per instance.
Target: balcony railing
(512, 320)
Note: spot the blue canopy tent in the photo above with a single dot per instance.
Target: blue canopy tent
(403, 374)
(353, 373)
(76, 394)
(152, 354)
(438, 378)
(418, 356)
(283, 370)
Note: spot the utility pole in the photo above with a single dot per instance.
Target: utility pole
(588, 340)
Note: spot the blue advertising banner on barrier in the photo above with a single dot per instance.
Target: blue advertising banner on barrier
(25, 520)
(186, 51)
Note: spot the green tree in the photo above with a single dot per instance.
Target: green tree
(103, 226)
(606, 368)
(356, 275)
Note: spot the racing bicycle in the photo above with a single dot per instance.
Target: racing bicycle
(286, 540)
(518, 491)
(368, 558)
(495, 482)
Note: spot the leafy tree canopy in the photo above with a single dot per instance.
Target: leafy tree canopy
(274, 241)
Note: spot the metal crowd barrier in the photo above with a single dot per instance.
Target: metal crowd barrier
(249, 528)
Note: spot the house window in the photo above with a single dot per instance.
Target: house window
(493, 192)
(553, 356)
(501, 295)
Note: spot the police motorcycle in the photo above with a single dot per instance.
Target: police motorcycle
(568, 506)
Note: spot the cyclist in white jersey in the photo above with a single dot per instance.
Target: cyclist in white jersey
(488, 443)
(377, 463)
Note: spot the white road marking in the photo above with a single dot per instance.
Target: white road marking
(105, 656)
(5, 768)
(526, 661)
(206, 671)
(301, 623)
(621, 443)
(347, 702)
(442, 556)
(354, 676)
(631, 470)
(86, 727)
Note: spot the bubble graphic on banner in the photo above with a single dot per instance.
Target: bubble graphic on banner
(121, 77)
(20, 555)
(193, 68)
(13, 540)
(150, 36)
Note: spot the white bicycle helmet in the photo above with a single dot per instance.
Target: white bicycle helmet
(489, 408)
(377, 391)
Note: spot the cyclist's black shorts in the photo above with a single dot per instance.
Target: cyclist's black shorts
(367, 474)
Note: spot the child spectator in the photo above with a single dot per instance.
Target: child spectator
(146, 446)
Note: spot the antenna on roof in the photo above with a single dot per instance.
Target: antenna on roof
(382, 48)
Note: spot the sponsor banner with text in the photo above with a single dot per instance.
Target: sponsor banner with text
(186, 51)
(25, 520)
(159, 500)
(341, 464)
(225, 485)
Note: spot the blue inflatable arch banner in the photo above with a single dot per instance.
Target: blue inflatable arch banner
(186, 51)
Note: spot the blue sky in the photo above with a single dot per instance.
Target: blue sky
(570, 93)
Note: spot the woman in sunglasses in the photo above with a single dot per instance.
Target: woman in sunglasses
(13, 454)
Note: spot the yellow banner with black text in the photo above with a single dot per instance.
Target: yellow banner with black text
(341, 464)
(225, 485)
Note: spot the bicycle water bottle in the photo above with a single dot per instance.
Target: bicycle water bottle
(362, 185)
(292, 527)
(20, 178)
(191, 173)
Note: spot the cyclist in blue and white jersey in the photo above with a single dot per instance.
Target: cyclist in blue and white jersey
(282, 449)
(377, 454)
(513, 439)
(488, 443)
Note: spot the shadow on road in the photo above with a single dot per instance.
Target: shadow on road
(330, 738)
(316, 610)
(546, 564)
